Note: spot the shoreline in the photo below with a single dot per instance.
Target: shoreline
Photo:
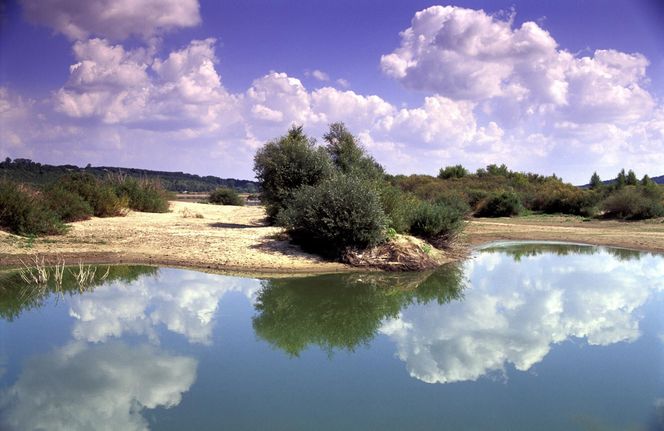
(234, 240)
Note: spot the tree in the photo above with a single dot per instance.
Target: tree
(456, 171)
(595, 181)
(647, 181)
(621, 179)
(631, 180)
(348, 156)
(286, 164)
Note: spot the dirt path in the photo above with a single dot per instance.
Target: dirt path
(236, 239)
(642, 235)
(192, 235)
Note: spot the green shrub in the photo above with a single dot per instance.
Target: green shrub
(557, 197)
(141, 195)
(436, 221)
(630, 203)
(69, 206)
(100, 196)
(284, 165)
(22, 212)
(225, 196)
(348, 156)
(503, 204)
(340, 212)
(456, 171)
(398, 206)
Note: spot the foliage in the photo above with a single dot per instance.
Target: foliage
(456, 171)
(100, 196)
(504, 204)
(632, 203)
(37, 174)
(557, 197)
(438, 220)
(69, 206)
(145, 195)
(340, 212)
(348, 156)
(23, 212)
(225, 196)
(286, 164)
(398, 207)
(595, 181)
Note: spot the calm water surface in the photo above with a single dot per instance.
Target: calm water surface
(520, 337)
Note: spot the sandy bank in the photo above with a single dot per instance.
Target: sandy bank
(236, 239)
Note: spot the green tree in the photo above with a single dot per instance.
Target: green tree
(621, 179)
(631, 180)
(286, 164)
(647, 181)
(456, 171)
(595, 181)
(349, 156)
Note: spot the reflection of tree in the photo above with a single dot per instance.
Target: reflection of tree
(16, 296)
(343, 311)
(519, 251)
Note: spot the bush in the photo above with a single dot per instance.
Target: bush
(557, 197)
(225, 196)
(503, 204)
(69, 206)
(457, 171)
(630, 203)
(436, 221)
(101, 197)
(141, 195)
(349, 157)
(338, 213)
(398, 206)
(23, 213)
(284, 165)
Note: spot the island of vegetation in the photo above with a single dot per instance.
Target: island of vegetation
(325, 207)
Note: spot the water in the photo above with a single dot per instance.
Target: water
(520, 337)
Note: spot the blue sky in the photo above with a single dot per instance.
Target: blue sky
(549, 86)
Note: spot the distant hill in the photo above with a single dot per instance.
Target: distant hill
(659, 179)
(27, 171)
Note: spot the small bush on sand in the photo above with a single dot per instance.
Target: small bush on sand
(437, 221)
(69, 206)
(225, 196)
(338, 213)
(22, 212)
(141, 194)
(503, 204)
(630, 203)
(101, 197)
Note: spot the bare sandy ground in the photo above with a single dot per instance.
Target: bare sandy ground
(641, 235)
(236, 239)
(225, 238)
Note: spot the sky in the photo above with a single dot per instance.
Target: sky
(564, 87)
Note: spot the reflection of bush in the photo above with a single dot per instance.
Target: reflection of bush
(517, 252)
(16, 296)
(342, 312)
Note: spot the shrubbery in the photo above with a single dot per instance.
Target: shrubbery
(23, 212)
(436, 221)
(225, 196)
(340, 212)
(503, 204)
(630, 203)
(69, 206)
(398, 207)
(100, 196)
(142, 195)
(284, 165)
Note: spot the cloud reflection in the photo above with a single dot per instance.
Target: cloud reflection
(515, 311)
(102, 387)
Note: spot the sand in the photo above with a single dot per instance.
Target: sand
(236, 239)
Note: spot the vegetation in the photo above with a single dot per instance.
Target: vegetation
(335, 197)
(41, 175)
(225, 196)
(340, 212)
(25, 210)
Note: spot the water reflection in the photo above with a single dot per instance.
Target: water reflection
(518, 308)
(96, 387)
(342, 312)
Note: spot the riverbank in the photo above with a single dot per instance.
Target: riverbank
(236, 239)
